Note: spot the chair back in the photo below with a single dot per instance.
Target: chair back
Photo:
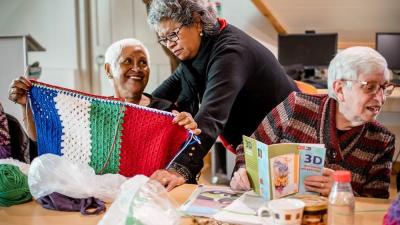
(306, 88)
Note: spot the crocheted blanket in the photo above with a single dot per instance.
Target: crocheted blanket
(110, 135)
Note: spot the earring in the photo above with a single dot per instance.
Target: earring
(109, 76)
(201, 33)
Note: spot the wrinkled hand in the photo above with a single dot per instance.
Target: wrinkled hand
(169, 179)
(321, 184)
(240, 180)
(18, 90)
(186, 120)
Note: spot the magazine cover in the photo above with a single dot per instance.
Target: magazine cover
(312, 158)
(283, 177)
(208, 200)
(280, 169)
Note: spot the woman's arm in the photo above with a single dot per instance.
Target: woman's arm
(18, 93)
(170, 88)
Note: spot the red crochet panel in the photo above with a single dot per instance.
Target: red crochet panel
(148, 144)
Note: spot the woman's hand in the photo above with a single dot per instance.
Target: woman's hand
(18, 90)
(169, 179)
(186, 120)
(321, 184)
(240, 180)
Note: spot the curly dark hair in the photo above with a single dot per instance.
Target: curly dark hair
(184, 12)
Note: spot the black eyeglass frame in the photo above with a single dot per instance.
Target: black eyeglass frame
(172, 36)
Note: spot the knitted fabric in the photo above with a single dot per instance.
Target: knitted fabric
(47, 122)
(104, 125)
(74, 115)
(155, 137)
(110, 135)
(365, 150)
(4, 135)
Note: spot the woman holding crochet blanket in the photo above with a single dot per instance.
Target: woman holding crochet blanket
(127, 68)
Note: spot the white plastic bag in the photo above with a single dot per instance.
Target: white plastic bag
(142, 201)
(50, 173)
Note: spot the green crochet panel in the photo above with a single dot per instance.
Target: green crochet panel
(103, 119)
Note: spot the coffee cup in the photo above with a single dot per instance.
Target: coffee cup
(285, 211)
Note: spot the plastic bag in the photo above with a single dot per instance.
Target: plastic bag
(50, 173)
(142, 201)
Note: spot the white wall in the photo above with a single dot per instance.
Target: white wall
(160, 66)
(244, 15)
(52, 24)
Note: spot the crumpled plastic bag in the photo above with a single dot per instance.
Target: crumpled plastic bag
(142, 201)
(50, 173)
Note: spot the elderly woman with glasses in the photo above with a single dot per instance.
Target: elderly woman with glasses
(344, 120)
(127, 68)
(227, 79)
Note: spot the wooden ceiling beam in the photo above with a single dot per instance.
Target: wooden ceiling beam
(263, 8)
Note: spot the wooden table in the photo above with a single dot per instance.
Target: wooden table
(368, 212)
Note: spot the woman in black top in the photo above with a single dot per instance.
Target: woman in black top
(228, 80)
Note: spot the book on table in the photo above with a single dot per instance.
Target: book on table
(279, 170)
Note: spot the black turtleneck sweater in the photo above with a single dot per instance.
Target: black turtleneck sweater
(229, 87)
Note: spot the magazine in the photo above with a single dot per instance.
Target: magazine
(208, 200)
(243, 210)
(280, 169)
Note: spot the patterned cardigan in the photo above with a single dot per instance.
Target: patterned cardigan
(366, 150)
(5, 148)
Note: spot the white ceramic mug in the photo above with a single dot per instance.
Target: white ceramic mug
(283, 211)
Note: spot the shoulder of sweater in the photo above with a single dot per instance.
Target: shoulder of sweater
(313, 102)
(376, 128)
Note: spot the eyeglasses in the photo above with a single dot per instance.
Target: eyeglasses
(173, 36)
(371, 87)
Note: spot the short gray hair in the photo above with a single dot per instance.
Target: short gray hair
(183, 11)
(349, 63)
(113, 52)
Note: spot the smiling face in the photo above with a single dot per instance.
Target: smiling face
(187, 44)
(131, 73)
(357, 106)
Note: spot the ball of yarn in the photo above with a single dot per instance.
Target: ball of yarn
(13, 186)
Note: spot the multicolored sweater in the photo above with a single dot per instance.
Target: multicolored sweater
(5, 148)
(110, 135)
(366, 150)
